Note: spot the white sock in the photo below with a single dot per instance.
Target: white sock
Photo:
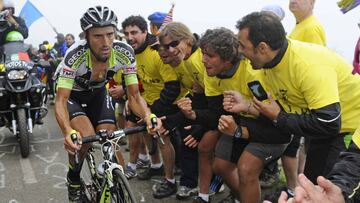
(204, 196)
(156, 166)
(132, 166)
(143, 157)
(237, 201)
(171, 180)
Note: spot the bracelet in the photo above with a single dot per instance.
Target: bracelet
(248, 109)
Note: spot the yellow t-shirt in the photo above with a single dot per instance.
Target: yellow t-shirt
(356, 137)
(185, 78)
(309, 30)
(153, 74)
(310, 76)
(195, 67)
(244, 74)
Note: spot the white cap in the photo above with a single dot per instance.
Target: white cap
(276, 9)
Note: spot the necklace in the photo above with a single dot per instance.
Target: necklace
(101, 75)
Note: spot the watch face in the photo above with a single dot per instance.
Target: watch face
(237, 133)
(275, 122)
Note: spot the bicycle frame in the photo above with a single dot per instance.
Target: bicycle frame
(100, 186)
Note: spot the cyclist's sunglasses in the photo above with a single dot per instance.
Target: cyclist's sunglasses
(172, 44)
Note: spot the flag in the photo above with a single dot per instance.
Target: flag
(168, 19)
(30, 13)
(347, 5)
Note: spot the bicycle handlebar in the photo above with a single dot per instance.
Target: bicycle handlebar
(100, 136)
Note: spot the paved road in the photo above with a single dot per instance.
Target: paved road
(40, 178)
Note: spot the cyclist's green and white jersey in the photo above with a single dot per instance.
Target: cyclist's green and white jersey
(74, 71)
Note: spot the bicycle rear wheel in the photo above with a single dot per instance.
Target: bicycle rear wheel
(121, 192)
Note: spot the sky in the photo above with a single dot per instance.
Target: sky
(341, 29)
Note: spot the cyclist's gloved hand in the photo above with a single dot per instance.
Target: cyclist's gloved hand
(69, 144)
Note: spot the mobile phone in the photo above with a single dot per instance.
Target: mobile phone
(257, 90)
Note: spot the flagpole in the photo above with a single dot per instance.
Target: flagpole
(53, 28)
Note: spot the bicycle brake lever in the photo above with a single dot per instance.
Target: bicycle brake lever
(153, 120)
(74, 140)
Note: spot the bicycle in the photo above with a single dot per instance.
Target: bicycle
(106, 182)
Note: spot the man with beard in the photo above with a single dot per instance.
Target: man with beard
(161, 89)
(82, 105)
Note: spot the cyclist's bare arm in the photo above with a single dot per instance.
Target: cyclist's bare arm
(62, 115)
(138, 105)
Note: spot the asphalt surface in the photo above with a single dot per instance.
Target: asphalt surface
(40, 178)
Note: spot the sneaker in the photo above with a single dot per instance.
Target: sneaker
(216, 186)
(219, 191)
(129, 173)
(185, 192)
(150, 172)
(268, 179)
(164, 189)
(228, 199)
(198, 199)
(74, 192)
(142, 163)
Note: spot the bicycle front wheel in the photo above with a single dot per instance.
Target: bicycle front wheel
(121, 192)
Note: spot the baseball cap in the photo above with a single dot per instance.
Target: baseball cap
(157, 17)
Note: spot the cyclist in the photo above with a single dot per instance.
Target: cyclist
(82, 105)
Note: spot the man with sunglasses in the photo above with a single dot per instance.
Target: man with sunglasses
(161, 89)
(182, 45)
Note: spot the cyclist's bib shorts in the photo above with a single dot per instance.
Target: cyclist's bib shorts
(96, 104)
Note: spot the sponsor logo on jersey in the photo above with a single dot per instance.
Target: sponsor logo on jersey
(67, 73)
(74, 55)
(127, 52)
(129, 70)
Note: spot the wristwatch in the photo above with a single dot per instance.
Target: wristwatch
(238, 133)
(275, 122)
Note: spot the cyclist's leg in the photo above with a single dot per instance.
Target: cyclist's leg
(81, 123)
(101, 112)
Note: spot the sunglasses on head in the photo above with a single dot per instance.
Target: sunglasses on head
(172, 44)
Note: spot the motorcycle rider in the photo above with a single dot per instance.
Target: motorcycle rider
(9, 22)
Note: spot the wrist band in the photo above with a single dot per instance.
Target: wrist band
(248, 109)
(72, 132)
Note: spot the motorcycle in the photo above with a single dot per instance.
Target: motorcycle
(22, 95)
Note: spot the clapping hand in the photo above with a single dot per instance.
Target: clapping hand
(184, 105)
(234, 102)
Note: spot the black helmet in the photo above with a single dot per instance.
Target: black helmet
(98, 16)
